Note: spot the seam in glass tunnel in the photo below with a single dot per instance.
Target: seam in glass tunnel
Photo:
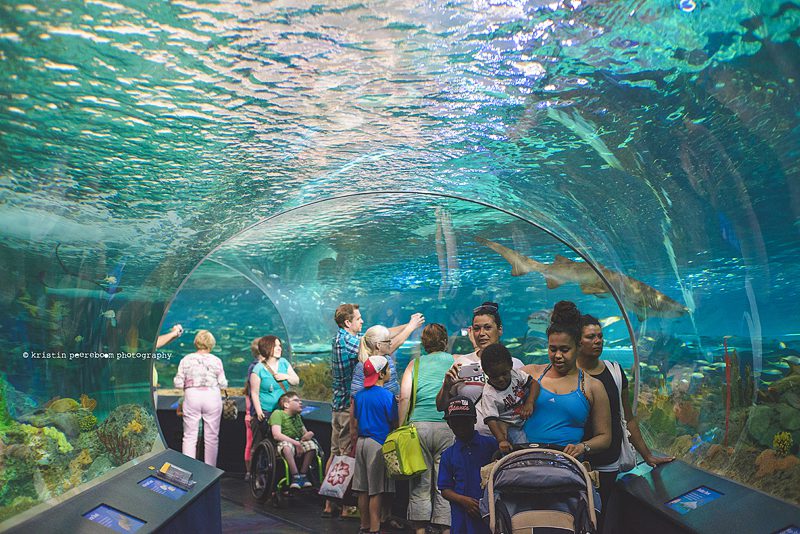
(410, 192)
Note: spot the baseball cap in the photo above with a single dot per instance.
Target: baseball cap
(460, 406)
(372, 369)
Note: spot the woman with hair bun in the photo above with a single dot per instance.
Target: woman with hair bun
(568, 397)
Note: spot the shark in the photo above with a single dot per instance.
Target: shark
(643, 300)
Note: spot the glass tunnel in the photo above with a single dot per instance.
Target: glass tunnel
(246, 167)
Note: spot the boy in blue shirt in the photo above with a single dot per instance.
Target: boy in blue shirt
(460, 467)
(374, 416)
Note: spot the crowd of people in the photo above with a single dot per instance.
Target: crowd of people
(466, 409)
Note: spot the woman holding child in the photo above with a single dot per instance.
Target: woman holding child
(568, 397)
(426, 506)
(467, 376)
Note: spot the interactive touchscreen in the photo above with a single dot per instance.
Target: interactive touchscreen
(693, 499)
(114, 519)
(163, 488)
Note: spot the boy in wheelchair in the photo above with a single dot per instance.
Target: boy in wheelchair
(295, 443)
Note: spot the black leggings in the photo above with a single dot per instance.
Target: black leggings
(606, 489)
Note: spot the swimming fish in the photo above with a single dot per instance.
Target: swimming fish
(111, 315)
(608, 321)
(643, 300)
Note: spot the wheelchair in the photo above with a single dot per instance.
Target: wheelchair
(270, 476)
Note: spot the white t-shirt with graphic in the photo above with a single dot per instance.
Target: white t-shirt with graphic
(473, 388)
(506, 405)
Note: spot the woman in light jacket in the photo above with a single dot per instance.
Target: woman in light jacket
(201, 376)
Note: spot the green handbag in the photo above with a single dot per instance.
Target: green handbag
(402, 451)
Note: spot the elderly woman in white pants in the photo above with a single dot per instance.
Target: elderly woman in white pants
(201, 376)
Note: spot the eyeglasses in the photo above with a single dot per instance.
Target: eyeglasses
(492, 308)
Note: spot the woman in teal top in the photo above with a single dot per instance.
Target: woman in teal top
(269, 380)
(568, 396)
(424, 505)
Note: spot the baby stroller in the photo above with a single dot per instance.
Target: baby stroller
(540, 491)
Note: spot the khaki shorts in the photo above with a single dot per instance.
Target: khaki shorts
(370, 475)
(340, 434)
(308, 445)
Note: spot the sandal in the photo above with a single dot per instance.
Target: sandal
(393, 524)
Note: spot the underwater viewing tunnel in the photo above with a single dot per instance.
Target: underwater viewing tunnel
(246, 167)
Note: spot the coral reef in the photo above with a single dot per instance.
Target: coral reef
(87, 423)
(133, 427)
(782, 443)
(686, 414)
(315, 381)
(119, 446)
(58, 405)
(5, 418)
(87, 403)
(770, 462)
(76, 468)
(128, 432)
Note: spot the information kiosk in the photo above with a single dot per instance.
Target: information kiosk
(167, 492)
(677, 497)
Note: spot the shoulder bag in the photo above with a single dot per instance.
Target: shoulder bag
(229, 409)
(402, 450)
(627, 454)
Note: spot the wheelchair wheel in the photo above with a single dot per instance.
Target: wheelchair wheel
(316, 471)
(262, 471)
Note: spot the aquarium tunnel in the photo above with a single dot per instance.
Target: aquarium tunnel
(246, 167)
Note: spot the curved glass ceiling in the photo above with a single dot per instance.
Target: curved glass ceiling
(658, 139)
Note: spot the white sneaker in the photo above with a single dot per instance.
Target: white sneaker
(295, 483)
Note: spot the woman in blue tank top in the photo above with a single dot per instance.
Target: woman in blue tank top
(568, 397)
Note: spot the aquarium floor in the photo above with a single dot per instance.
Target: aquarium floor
(241, 513)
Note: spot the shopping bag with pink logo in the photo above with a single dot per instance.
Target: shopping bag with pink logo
(338, 478)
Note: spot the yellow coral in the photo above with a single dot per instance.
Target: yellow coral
(64, 446)
(86, 402)
(134, 426)
(782, 443)
(76, 468)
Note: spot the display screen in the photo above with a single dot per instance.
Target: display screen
(694, 499)
(308, 409)
(114, 519)
(163, 488)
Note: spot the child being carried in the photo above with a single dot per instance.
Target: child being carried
(508, 396)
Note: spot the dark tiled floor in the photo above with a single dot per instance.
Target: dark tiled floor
(241, 513)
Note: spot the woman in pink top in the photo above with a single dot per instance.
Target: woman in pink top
(201, 376)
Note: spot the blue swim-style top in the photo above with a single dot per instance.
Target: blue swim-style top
(558, 419)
